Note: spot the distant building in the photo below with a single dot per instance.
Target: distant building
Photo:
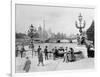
(43, 35)
(64, 40)
(40, 32)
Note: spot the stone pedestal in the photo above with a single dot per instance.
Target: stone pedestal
(83, 49)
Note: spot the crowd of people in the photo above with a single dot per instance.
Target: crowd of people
(67, 55)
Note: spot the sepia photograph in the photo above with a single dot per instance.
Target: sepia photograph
(53, 38)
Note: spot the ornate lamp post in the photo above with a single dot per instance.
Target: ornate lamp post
(80, 26)
(31, 33)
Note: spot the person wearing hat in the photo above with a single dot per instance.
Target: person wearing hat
(55, 53)
(38, 50)
(40, 57)
(72, 54)
(22, 51)
(27, 65)
(46, 52)
(65, 55)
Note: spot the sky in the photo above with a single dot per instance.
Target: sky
(58, 19)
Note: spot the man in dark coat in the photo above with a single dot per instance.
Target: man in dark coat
(55, 53)
(46, 53)
(22, 50)
(40, 56)
(38, 50)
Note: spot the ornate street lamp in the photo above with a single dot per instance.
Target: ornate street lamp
(80, 26)
(31, 33)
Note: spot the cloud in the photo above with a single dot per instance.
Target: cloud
(57, 19)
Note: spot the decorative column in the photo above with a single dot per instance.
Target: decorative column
(31, 33)
(81, 24)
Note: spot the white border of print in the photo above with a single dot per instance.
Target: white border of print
(13, 40)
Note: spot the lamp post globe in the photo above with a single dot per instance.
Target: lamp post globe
(81, 25)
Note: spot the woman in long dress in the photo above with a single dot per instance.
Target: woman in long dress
(69, 55)
(65, 55)
(72, 56)
(27, 65)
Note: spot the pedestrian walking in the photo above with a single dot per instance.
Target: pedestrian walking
(40, 57)
(22, 50)
(38, 50)
(16, 51)
(72, 54)
(32, 46)
(46, 52)
(65, 55)
(55, 53)
(27, 65)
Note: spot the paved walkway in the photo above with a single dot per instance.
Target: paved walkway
(53, 65)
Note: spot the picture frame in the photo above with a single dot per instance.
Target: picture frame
(13, 29)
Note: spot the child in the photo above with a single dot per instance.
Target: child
(27, 65)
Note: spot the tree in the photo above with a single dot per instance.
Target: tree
(90, 32)
(20, 35)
